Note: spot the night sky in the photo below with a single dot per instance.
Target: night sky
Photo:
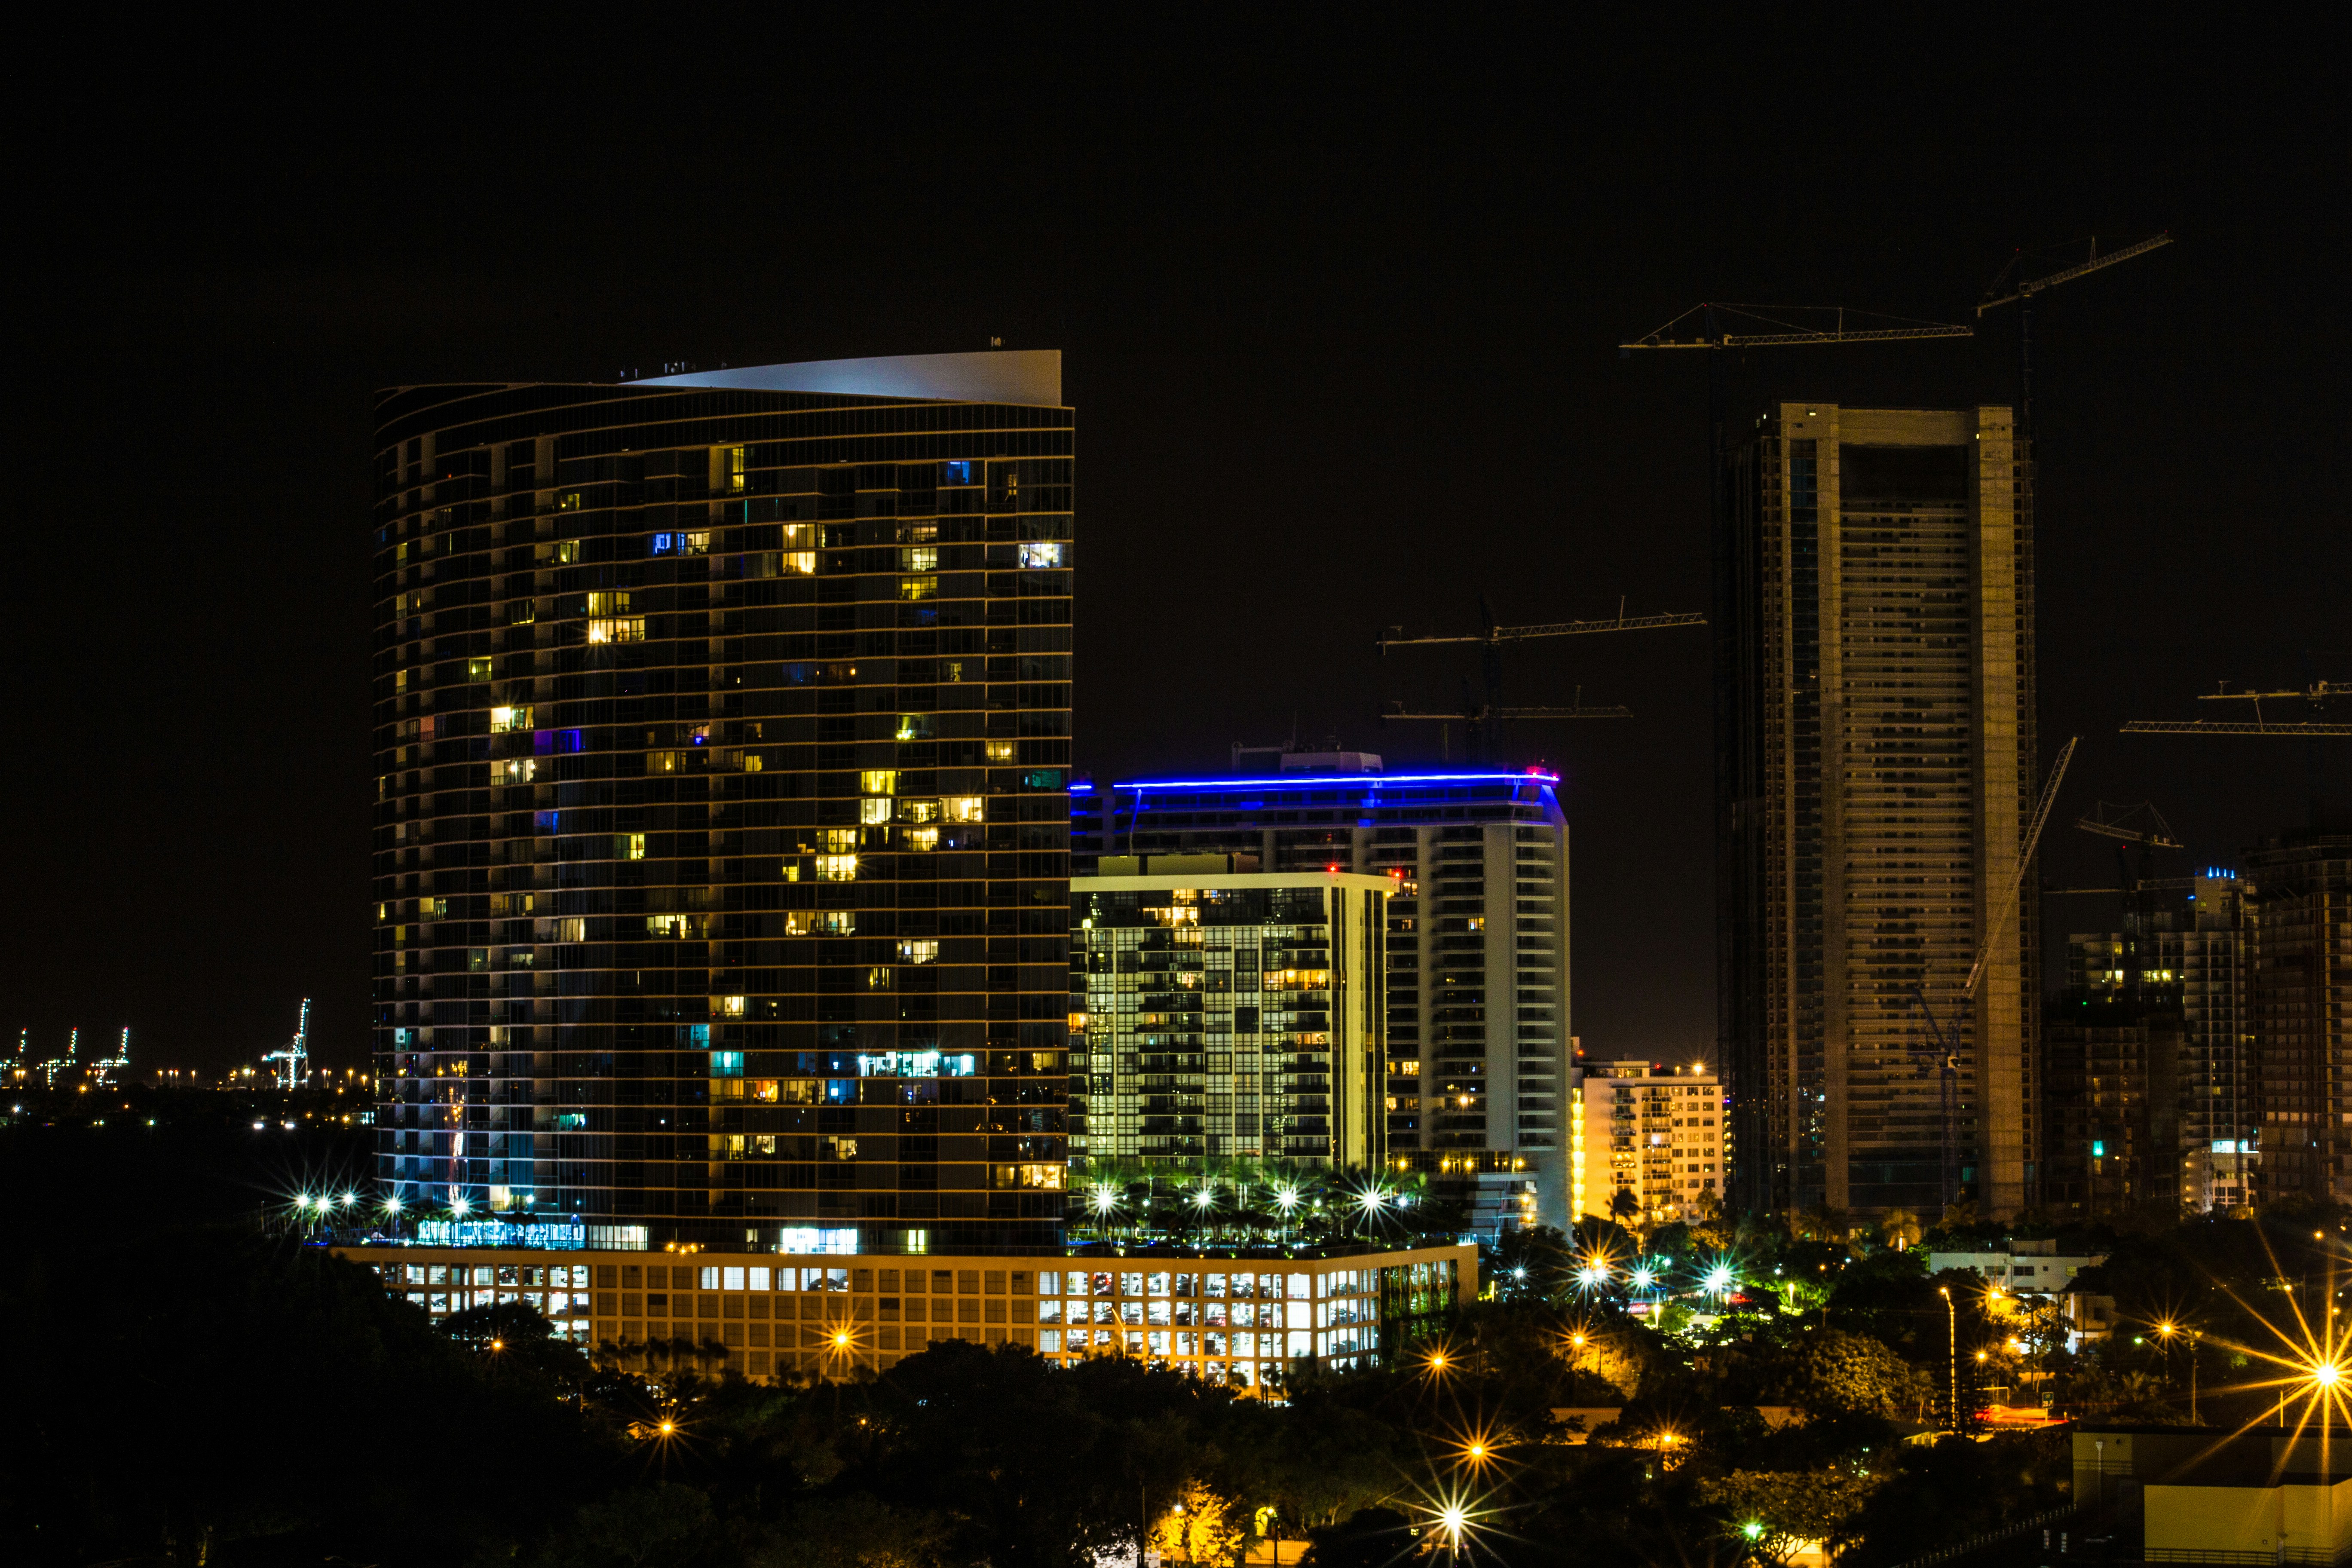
(1339, 304)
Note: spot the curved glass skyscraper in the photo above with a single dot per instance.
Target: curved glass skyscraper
(721, 848)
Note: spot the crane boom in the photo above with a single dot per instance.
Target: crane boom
(1551, 629)
(2307, 728)
(1789, 333)
(2024, 858)
(2068, 274)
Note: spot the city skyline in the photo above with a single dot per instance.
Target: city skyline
(1394, 426)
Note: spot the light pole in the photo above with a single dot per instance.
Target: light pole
(1952, 1353)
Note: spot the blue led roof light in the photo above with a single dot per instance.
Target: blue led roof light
(1333, 780)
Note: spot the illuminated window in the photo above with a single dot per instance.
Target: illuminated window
(506, 720)
(629, 847)
(919, 810)
(924, 558)
(522, 612)
(879, 780)
(918, 952)
(570, 928)
(568, 501)
(874, 808)
(694, 545)
(1046, 553)
(520, 770)
(764, 1091)
(820, 923)
(666, 925)
(665, 761)
(957, 473)
(799, 536)
(840, 840)
(797, 562)
(477, 670)
(920, 838)
(725, 1064)
(607, 604)
(606, 631)
(962, 808)
(914, 727)
(926, 587)
(735, 458)
(1003, 750)
(836, 867)
(728, 1007)
(400, 681)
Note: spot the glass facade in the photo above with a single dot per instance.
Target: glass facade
(1227, 1017)
(1477, 994)
(721, 815)
(1878, 767)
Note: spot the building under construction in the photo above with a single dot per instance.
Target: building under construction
(1877, 771)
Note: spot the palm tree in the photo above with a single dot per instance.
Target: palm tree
(1899, 1229)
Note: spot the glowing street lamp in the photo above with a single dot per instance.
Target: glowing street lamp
(1719, 1279)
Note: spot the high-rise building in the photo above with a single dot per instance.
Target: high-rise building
(1220, 1015)
(1477, 994)
(1877, 768)
(2298, 903)
(2149, 1071)
(1658, 1135)
(721, 866)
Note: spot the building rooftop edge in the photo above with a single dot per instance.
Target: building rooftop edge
(1155, 881)
(1328, 781)
(1031, 376)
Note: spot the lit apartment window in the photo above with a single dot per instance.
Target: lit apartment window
(920, 838)
(504, 721)
(914, 727)
(922, 558)
(735, 461)
(607, 604)
(728, 1007)
(874, 809)
(1003, 750)
(477, 670)
(918, 952)
(621, 630)
(925, 587)
(836, 867)
(629, 847)
(962, 808)
(1041, 554)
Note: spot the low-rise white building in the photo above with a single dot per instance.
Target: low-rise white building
(2032, 1268)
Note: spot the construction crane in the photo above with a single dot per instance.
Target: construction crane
(2142, 824)
(2023, 292)
(2117, 821)
(2317, 694)
(1945, 1061)
(293, 1057)
(1482, 716)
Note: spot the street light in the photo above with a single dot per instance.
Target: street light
(1952, 1351)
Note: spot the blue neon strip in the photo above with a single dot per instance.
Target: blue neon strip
(1331, 781)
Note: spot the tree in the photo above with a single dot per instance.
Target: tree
(1832, 1371)
(1777, 1513)
(1201, 1526)
(1899, 1228)
(855, 1532)
(648, 1527)
(1370, 1538)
